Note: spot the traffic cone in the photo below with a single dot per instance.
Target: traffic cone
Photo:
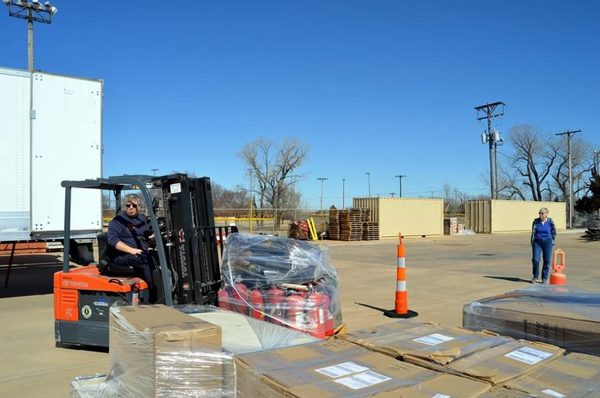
(558, 277)
(401, 303)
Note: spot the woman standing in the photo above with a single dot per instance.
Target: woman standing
(543, 234)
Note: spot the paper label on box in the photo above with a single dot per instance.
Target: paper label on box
(175, 188)
(362, 380)
(342, 369)
(441, 396)
(433, 339)
(529, 355)
(553, 393)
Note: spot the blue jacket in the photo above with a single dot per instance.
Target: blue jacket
(131, 231)
(536, 222)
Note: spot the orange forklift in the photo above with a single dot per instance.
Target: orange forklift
(185, 251)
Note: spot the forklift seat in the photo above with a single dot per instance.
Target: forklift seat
(105, 266)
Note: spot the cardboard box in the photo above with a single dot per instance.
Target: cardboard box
(551, 314)
(575, 375)
(507, 361)
(156, 350)
(338, 368)
(419, 341)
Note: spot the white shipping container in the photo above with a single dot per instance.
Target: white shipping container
(50, 131)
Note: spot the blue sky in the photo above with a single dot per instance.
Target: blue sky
(385, 87)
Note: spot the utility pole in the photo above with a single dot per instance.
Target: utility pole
(369, 181)
(400, 177)
(343, 193)
(154, 171)
(569, 134)
(492, 137)
(322, 179)
(596, 166)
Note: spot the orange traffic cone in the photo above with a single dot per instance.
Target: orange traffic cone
(558, 267)
(401, 303)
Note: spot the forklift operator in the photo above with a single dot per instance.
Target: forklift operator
(127, 238)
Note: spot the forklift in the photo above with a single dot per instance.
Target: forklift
(185, 251)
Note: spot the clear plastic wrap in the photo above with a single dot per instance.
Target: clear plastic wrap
(185, 351)
(242, 334)
(557, 315)
(280, 280)
(162, 354)
(575, 375)
(336, 368)
(414, 341)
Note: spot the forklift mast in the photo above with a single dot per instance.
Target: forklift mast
(190, 238)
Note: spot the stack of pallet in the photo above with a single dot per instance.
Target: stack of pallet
(333, 232)
(370, 230)
(351, 224)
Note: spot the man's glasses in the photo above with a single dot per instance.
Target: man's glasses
(131, 205)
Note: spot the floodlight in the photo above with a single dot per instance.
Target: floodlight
(7, 2)
(53, 10)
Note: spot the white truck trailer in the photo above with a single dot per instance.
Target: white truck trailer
(50, 131)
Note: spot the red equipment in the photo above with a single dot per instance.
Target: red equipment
(315, 314)
(257, 304)
(295, 315)
(224, 300)
(240, 298)
(275, 302)
(558, 277)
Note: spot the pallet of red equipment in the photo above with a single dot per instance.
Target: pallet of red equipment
(304, 308)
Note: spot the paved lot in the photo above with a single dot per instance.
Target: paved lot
(443, 274)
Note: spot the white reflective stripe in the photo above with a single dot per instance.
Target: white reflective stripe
(400, 262)
(400, 286)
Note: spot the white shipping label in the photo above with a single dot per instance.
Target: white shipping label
(553, 393)
(529, 355)
(362, 380)
(441, 396)
(433, 339)
(175, 188)
(342, 369)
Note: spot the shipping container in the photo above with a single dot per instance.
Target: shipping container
(494, 216)
(409, 216)
(50, 131)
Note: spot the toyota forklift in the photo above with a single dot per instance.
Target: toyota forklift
(185, 250)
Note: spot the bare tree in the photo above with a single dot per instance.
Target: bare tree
(580, 153)
(272, 166)
(531, 164)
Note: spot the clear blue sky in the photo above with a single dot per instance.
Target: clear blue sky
(386, 87)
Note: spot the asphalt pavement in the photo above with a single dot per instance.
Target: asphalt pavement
(443, 274)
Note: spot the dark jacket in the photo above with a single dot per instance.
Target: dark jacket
(131, 231)
(536, 221)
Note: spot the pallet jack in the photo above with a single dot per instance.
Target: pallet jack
(186, 253)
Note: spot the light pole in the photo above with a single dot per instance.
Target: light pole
(569, 134)
(322, 179)
(369, 182)
(154, 171)
(400, 177)
(32, 12)
(343, 193)
(596, 166)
